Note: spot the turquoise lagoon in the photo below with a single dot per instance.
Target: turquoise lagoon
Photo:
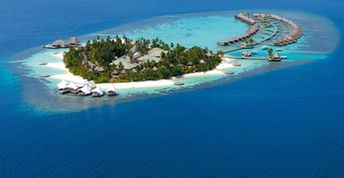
(201, 29)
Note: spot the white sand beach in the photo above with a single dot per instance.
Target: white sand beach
(69, 77)
(57, 65)
(58, 54)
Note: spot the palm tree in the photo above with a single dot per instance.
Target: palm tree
(131, 56)
(270, 51)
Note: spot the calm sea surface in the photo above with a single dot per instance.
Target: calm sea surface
(286, 123)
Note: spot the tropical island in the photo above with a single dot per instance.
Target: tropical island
(106, 64)
(125, 60)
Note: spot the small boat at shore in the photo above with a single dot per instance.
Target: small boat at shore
(45, 76)
(97, 92)
(229, 73)
(237, 65)
(178, 83)
(111, 91)
(43, 63)
(265, 48)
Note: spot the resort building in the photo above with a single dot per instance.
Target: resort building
(63, 44)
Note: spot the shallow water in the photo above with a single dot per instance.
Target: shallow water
(283, 123)
(199, 29)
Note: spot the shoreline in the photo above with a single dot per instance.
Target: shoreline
(69, 77)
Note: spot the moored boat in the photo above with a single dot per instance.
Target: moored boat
(178, 83)
(229, 73)
(111, 91)
(237, 65)
(265, 48)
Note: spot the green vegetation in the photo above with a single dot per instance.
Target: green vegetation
(270, 53)
(94, 61)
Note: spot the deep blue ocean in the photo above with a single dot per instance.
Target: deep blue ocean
(286, 123)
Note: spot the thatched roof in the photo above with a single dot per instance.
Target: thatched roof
(155, 68)
(202, 61)
(276, 56)
(74, 41)
(99, 69)
(123, 71)
(115, 72)
(58, 43)
(190, 63)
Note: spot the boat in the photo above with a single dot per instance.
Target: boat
(43, 63)
(254, 52)
(85, 90)
(237, 65)
(97, 92)
(229, 73)
(178, 83)
(279, 49)
(265, 48)
(111, 91)
(284, 57)
(45, 76)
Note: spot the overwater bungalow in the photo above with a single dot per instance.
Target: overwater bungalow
(276, 57)
(63, 44)
(73, 41)
(245, 17)
(56, 44)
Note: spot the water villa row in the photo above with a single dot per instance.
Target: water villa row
(249, 33)
(245, 17)
(73, 41)
(291, 37)
(276, 30)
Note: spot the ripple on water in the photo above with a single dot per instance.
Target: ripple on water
(203, 29)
